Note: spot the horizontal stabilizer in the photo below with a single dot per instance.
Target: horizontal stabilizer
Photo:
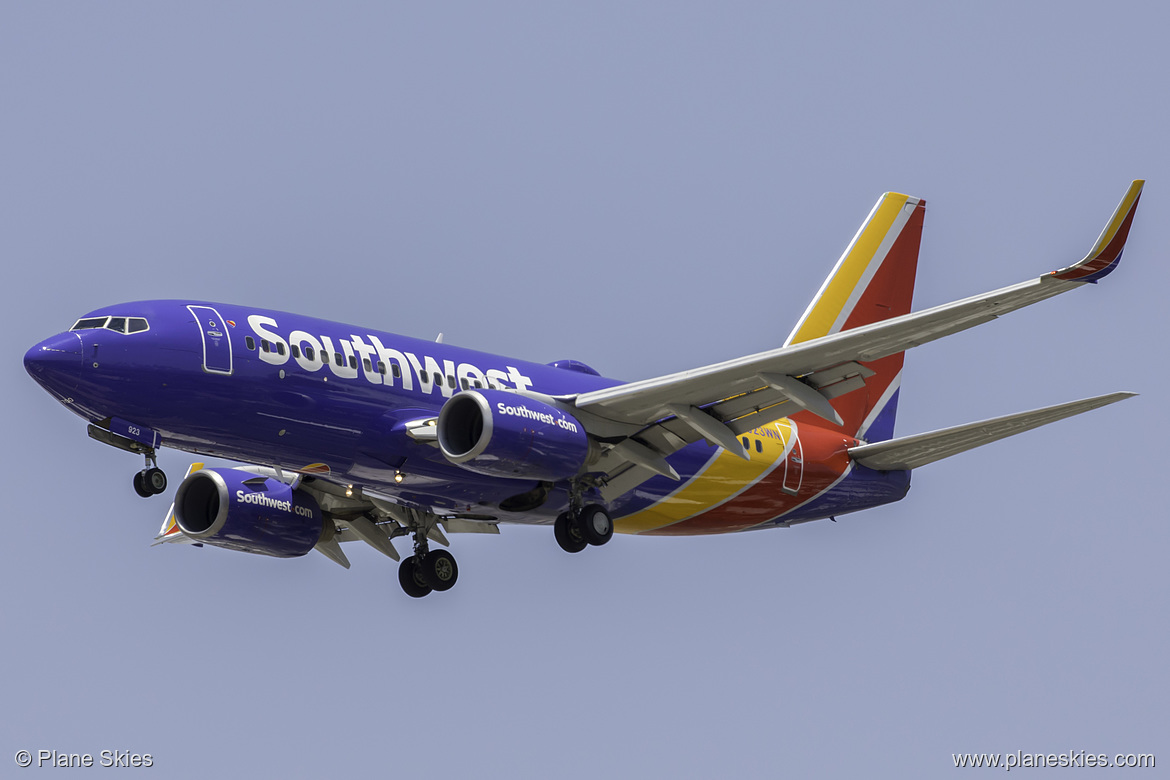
(910, 452)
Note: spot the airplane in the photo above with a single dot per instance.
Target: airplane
(347, 433)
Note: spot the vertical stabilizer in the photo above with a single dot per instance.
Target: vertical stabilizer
(873, 281)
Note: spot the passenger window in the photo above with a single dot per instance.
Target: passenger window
(117, 324)
(280, 347)
(264, 346)
(296, 350)
(759, 446)
(477, 384)
(366, 365)
(337, 359)
(463, 382)
(251, 342)
(137, 325)
(396, 369)
(450, 381)
(747, 445)
(352, 361)
(309, 353)
(438, 380)
(381, 367)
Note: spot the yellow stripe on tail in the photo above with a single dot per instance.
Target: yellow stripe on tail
(840, 293)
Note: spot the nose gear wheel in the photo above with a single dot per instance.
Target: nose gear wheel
(151, 480)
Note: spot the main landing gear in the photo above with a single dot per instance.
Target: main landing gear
(151, 480)
(577, 529)
(435, 570)
(427, 570)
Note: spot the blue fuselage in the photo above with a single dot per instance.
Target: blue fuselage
(304, 394)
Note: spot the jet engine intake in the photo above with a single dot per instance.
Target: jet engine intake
(503, 434)
(239, 510)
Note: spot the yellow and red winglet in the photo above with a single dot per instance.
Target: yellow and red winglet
(1106, 253)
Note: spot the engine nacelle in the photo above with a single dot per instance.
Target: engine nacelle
(503, 434)
(242, 511)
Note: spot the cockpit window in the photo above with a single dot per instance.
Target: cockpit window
(116, 324)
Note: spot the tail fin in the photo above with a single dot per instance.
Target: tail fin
(873, 281)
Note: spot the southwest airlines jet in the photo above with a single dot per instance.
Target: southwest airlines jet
(350, 433)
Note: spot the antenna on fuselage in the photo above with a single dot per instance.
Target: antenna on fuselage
(439, 339)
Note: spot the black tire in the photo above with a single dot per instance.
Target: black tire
(439, 570)
(410, 580)
(154, 480)
(140, 485)
(568, 535)
(595, 524)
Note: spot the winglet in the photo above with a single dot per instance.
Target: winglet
(1106, 253)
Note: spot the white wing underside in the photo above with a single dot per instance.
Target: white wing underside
(738, 380)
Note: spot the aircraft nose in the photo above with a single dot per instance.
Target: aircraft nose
(56, 362)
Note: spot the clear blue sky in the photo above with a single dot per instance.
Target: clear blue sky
(645, 187)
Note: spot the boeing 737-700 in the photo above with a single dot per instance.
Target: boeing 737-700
(348, 433)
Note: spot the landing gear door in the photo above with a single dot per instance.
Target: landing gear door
(217, 344)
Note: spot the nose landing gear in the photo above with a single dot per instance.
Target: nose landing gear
(151, 480)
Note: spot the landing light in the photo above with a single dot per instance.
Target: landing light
(398, 477)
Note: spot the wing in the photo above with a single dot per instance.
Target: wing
(718, 402)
